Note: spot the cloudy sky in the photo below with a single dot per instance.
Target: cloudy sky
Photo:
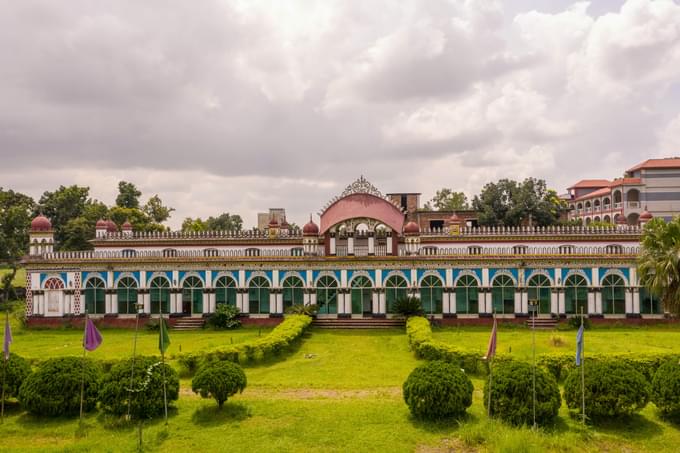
(244, 105)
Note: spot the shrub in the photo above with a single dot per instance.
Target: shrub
(219, 380)
(302, 309)
(408, 306)
(145, 395)
(225, 317)
(437, 389)
(511, 393)
(16, 371)
(612, 388)
(54, 389)
(575, 322)
(666, 389)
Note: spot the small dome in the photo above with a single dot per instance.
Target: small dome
(454, 219)
(273, 222)
(127, 226)
(101, 224)
(111, 226)
(310, 228)
(646, 215)
(411, 228)
(41, 223)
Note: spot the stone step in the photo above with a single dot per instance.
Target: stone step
(358, 323)
(542, 323)
(188, 324)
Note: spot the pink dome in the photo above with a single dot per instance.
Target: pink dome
(311, 228)
(454, 219)
(111, 226)
(41, 223)
(646, 216)
(101, 224)
(411, 228)
(127, 226)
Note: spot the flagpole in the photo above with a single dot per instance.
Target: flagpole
(4, 374)
(583, 378)
(82, 373)
(165, 393)
(488, 409)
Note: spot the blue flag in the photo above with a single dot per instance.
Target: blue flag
(579, 345)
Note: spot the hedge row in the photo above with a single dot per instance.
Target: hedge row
(559, 365)
(282, 338)
(425, 347)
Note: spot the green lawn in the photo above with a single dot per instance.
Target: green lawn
(19, 278)
(518, 341)
(339, 391)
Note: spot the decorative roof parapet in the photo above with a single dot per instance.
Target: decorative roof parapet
(536, 231)
(360, 186)
(223, 234)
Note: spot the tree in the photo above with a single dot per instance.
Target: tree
(62, 205)
(139, 220)
(155, 209)
(659, 261)
(510, 203)
(219, 380)
(447, 200)
(128, 195)
(15, 220)
(224, 222)
(193, 225)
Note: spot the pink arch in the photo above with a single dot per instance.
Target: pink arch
(362, 205)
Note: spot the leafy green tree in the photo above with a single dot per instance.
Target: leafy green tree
(510, 203)
(128, 195)
(156, 210)
(219, 380)
(659, 261)
(448, 200)
(62, 205)
(224, 222)
(193, 225)
(139, 220)
(15, 220)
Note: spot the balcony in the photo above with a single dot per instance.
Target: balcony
(634, 204)
(618, 205)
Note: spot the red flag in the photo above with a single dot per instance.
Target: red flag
(491, 350)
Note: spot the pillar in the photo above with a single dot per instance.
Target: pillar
(371, 243)
(636, 301)
(598, 302)
(333, 251)
(554, 308)
(629, 301)
(114, 303)
(350, 244)
(591, 302)
(382, 307)
(245, 302)
(375, 302)
(390, 245)
(520, 297)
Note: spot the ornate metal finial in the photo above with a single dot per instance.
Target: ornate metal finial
(361, 185)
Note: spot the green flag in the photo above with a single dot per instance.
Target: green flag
(164, 338)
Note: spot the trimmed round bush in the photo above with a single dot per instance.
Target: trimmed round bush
(612, 388)
(145, 395)
(436, 390)
(54, 388)
(16, 371)
(666, 389)
(219, 380)
(511, 394)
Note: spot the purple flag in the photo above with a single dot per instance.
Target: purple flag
(92, 338)
(8, 339)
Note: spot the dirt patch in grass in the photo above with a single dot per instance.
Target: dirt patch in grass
(308, 394)
(446, 446)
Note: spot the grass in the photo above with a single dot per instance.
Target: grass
(518, 341)
(339, 391)
(19, 279)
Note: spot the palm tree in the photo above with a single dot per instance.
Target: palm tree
(659, 261)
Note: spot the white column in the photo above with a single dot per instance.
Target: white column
(375, 302)
(332, 245)
(371, 245)
(114, 303)
(485, 277)
(350, 245)
(313, 298)
(446, 307)
(525, 302)
(598, 302)
(208, 279)
(553, 302)
(488, 304)
(389, 245)
(272, 303)
(279, 303)
(452, 303)
(629, 301)
(146, 300)
(245, 302)
(341, 302)
(636, 301)
(519, 296)
(382, 309)
(275, 278)
(591, 302)
(206, 303)
(211, 303)
(348, 303)
(560, 303)
(107, 303)
(239, 301)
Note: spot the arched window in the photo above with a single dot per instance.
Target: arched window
(293, 292)
(159, 290)
(503, 295)
(649, 303)
(539, 290)
(431, 294)
(127, 296)
(362, 296)
(613, 295)
(395, 289)
(54, 283)
(467, 295)
(192, 295)
(575, 295)
(258, 295)
(327, 295)
(94, 296)
(225, 291)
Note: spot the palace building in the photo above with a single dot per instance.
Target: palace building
(366, 252)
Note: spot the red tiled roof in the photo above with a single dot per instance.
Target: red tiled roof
(666, 162)
(590, 184)
(625, 181)
(596, 193)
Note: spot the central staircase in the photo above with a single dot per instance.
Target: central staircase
(357, 323)
(188, 324)
(542, 323)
